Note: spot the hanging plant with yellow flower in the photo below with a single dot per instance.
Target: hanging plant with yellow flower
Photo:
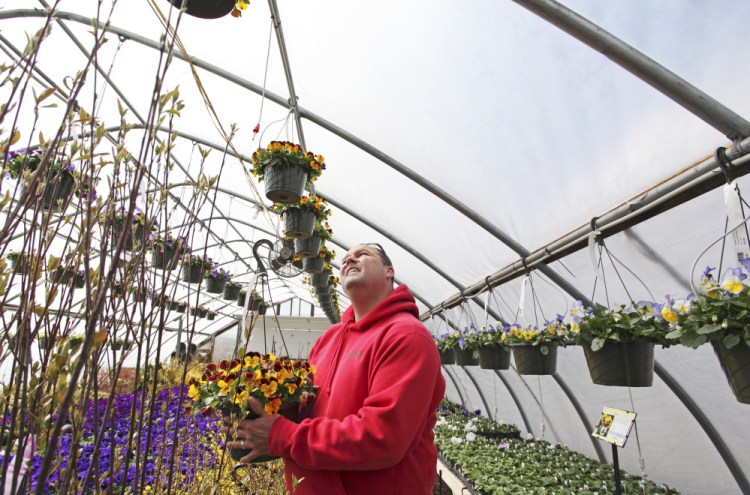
(279, 153)
(327, 254)
(274, 381)
(313, 203)
(239, 6)
(554, 332)
(718, 311)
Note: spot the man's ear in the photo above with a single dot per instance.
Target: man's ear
(389, 271)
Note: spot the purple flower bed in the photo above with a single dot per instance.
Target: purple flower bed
(194, 434)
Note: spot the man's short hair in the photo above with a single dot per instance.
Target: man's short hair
(381, 253)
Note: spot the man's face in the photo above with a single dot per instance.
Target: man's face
(362, 267)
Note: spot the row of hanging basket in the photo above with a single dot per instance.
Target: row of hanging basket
(629, 364)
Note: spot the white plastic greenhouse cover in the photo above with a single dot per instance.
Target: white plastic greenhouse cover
(461, 136)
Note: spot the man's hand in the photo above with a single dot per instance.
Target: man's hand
(250, 433)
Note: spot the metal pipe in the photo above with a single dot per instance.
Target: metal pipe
(636, 206)
(648, 70)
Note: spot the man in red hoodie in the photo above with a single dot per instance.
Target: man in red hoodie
(369, 430)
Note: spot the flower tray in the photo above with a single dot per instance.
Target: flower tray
(192, 274)
(313, 265)
(735, 363)
(530, 360)
(299, 223)
(495, 357)
(285, 183)
(214, 285)
(622, 364)
(308, 248)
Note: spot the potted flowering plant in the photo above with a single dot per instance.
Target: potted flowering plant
(231, 290)
(300, 218)
(535, 350)
(60, 180)
(194, 267)
(19, 262)
(318, 263)
(494, 352)
(135, 232)
(286, 170)
(120, 344)
(280, 384)
(199, 311)
(321, 278)
(445, 344)
(215, 279)
(718, 314)
(211, 315)
(619, 343)
(166, 250)
(310, 247)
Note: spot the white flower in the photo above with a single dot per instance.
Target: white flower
(470, 437)
(456, 441)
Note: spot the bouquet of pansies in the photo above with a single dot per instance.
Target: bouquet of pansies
(274, 381)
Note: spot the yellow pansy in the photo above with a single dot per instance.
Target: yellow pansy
(668, 314)
(194, 393)
(242, 4)
(269, 389)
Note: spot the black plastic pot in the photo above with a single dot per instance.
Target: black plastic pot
(206, 9)
(164, 260)
(308, 248)
(622, 364)
(192, 274)
(214, 285)
(466, 357)
(134, 235)
(285, 182)
(231, 292)
(447, 357)
(530, 360)
(299, 223)
(495, 357)
(313, 265)
(735, 363)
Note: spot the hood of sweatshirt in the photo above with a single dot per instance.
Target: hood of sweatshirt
(398, 301)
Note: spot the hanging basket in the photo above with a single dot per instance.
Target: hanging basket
(164, 260)
(241, 299)
(78, 281)
(447, 357)
(210, 316)
(118, 346)
(289, 410)
(494, 357)
(313, 265)
(181, 307)
(530, 360)
(231, 292)
(61, 276)
(308, 248)
(198, 312)
(320, 279)
(192, 274)
(206, 9)
(735, 363)
(214, 285)
(324, 298)
(622, 364)
(58, 188)
(285, 182)
(174, 306)
(299, 223)
(134, 237)
(323, 290)
(21, 264)
(466, 357)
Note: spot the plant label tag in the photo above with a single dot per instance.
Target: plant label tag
(736, 216)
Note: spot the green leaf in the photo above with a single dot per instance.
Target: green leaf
(708, 328)
(731, 340)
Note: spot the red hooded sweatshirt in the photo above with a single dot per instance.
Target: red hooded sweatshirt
(369, 430)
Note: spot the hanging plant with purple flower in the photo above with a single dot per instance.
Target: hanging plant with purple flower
(167, 242)
(718, 311)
